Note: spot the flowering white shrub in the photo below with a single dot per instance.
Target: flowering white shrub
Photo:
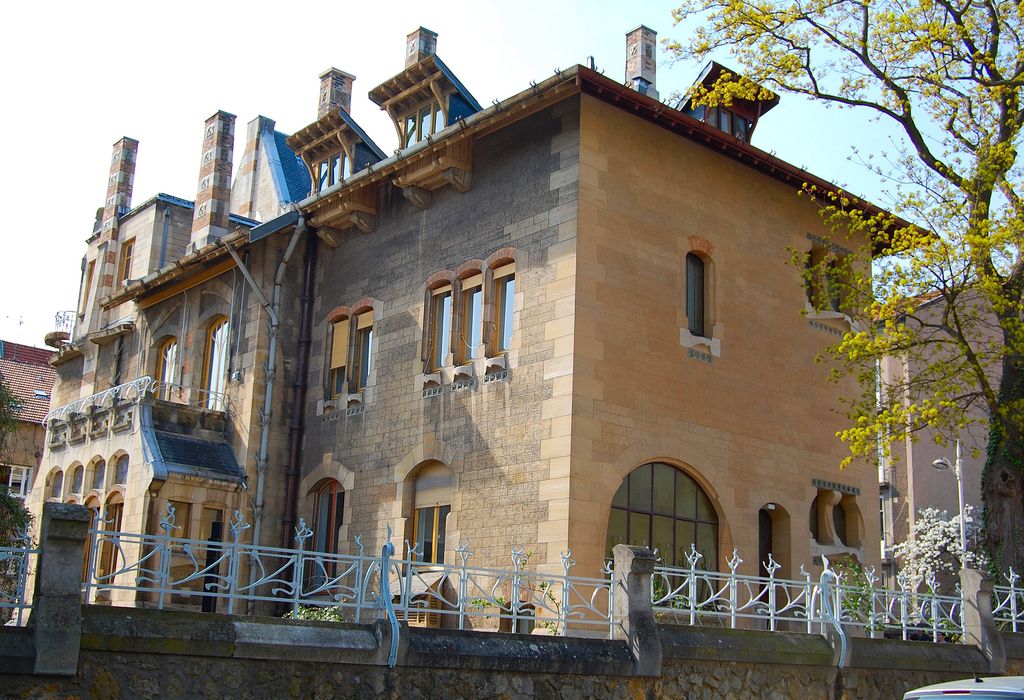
(933, 547)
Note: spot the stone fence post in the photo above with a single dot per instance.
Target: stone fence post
(633, 612)
(56, 618)
(979, 624)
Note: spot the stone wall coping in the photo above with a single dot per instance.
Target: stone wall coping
(751, 646)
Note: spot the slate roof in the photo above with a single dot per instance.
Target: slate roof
(25, 370)
(295, 174)
(182, 453)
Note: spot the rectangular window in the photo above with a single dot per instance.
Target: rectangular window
(505, 290)
(363, 350)
(410, 130)
(695, 294)
(427, 120)
(19, 480)
(335, 170)
(127, 251)
(87, 289)
(339, 357)
(440, 326)
(429, 528)
(324, 176)
(470, 335)
(438, 118)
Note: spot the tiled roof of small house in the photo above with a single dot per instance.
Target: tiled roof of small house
(25, 370)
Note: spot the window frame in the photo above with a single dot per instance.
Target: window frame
(167, 379)
(215, 393)
(471, 312)
(362, 356)
(337, 359)
(124, 267)
(331, 530)
(90, 270)
(504, 306)
(696, 295)
(440, 326)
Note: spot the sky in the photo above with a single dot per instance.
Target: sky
(79, 76)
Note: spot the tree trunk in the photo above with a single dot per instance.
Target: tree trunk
(1002, 481)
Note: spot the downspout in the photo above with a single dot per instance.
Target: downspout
(163, 237)
(273, 310)
(299, 388)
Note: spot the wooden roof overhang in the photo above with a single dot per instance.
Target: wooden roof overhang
(607, 90)
(420, 83)
(187, 272)
(438, 160)
(326, 137)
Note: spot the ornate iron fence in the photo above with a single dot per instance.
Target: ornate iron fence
(163, 570)
(696, 596)
(1008, 603)
(16, 561)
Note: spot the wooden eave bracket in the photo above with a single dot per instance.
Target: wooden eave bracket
(450, 163)
(350, 209)
(418, 196)
(330, 235)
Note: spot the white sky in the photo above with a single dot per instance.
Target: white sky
(77, 76)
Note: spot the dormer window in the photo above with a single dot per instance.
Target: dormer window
(740, 116)
(333, 170)
(423, 122)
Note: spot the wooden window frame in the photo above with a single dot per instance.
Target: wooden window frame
(504, 307)
(436, 552)
(124, 268)
(337, 359)
(165, 384)
(330, 489)
(209, 400)
(440, 341)
(362, 360)
(470, 323)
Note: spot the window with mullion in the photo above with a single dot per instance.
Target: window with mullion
(440, 326)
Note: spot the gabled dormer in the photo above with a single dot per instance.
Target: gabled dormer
(425, 97)
(738, 118)
(334, 147)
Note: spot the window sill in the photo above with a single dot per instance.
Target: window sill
(696, 342)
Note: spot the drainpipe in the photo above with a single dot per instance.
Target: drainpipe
(299, 388)
(273, 309)
(163, 237)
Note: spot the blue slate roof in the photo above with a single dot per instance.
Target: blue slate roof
(347, 118)
(189, 455)
(457, 83)
(295, 176)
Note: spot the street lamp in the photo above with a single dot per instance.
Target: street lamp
(942, 464)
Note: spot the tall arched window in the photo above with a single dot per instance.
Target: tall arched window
(328, 507)
(77, 479)
(108, 549)
(167, 367)
(432, 502)
(56, 484)
(695, 294)
(216, 365)
(661, 507)
(121, 470)
(99, 468)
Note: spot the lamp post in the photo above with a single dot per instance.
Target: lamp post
(942, 464)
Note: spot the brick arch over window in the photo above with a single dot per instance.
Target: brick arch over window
(338, 313)
(502, 256)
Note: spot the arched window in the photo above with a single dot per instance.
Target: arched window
(504, 304)
(432, 502)
(339, 357)
(99, 468)
(471, 307)
(77, 479)
(328, 508)
(56, 484)
(121, 470)
(362, 360)
(112, 517)
(695, 286)
(167, 367)
(216, 364)
(661, 507)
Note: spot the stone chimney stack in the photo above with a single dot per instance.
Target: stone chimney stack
(245, 187)
(119, 185)
(418, 45)
(213, 200)
(335, 91)
(641, 63)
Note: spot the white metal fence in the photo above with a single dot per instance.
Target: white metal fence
(695, 596)
(163, 570)
(16, 561)
(1008, 603)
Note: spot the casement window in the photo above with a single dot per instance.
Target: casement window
(19, 480)
(440, 325)
(695, 294)
(182, 518)
(432, 504)
(87, 287)
(662, 507)
(328, 508)
(124, 270)
(216, 364)
(421, 123)
(471, 319)
(504, 304)
(167, 367)
(363, 357)
(339, 358)
(333, 170)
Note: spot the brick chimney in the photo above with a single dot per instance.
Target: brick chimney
(641, 61)
(335, 91)
(210, 219)
(418, 45)
(119, 185)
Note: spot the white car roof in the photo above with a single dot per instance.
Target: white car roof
(999, 686)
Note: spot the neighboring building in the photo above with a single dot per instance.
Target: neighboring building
(908, 480)
(29, 378)
(562, 321)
